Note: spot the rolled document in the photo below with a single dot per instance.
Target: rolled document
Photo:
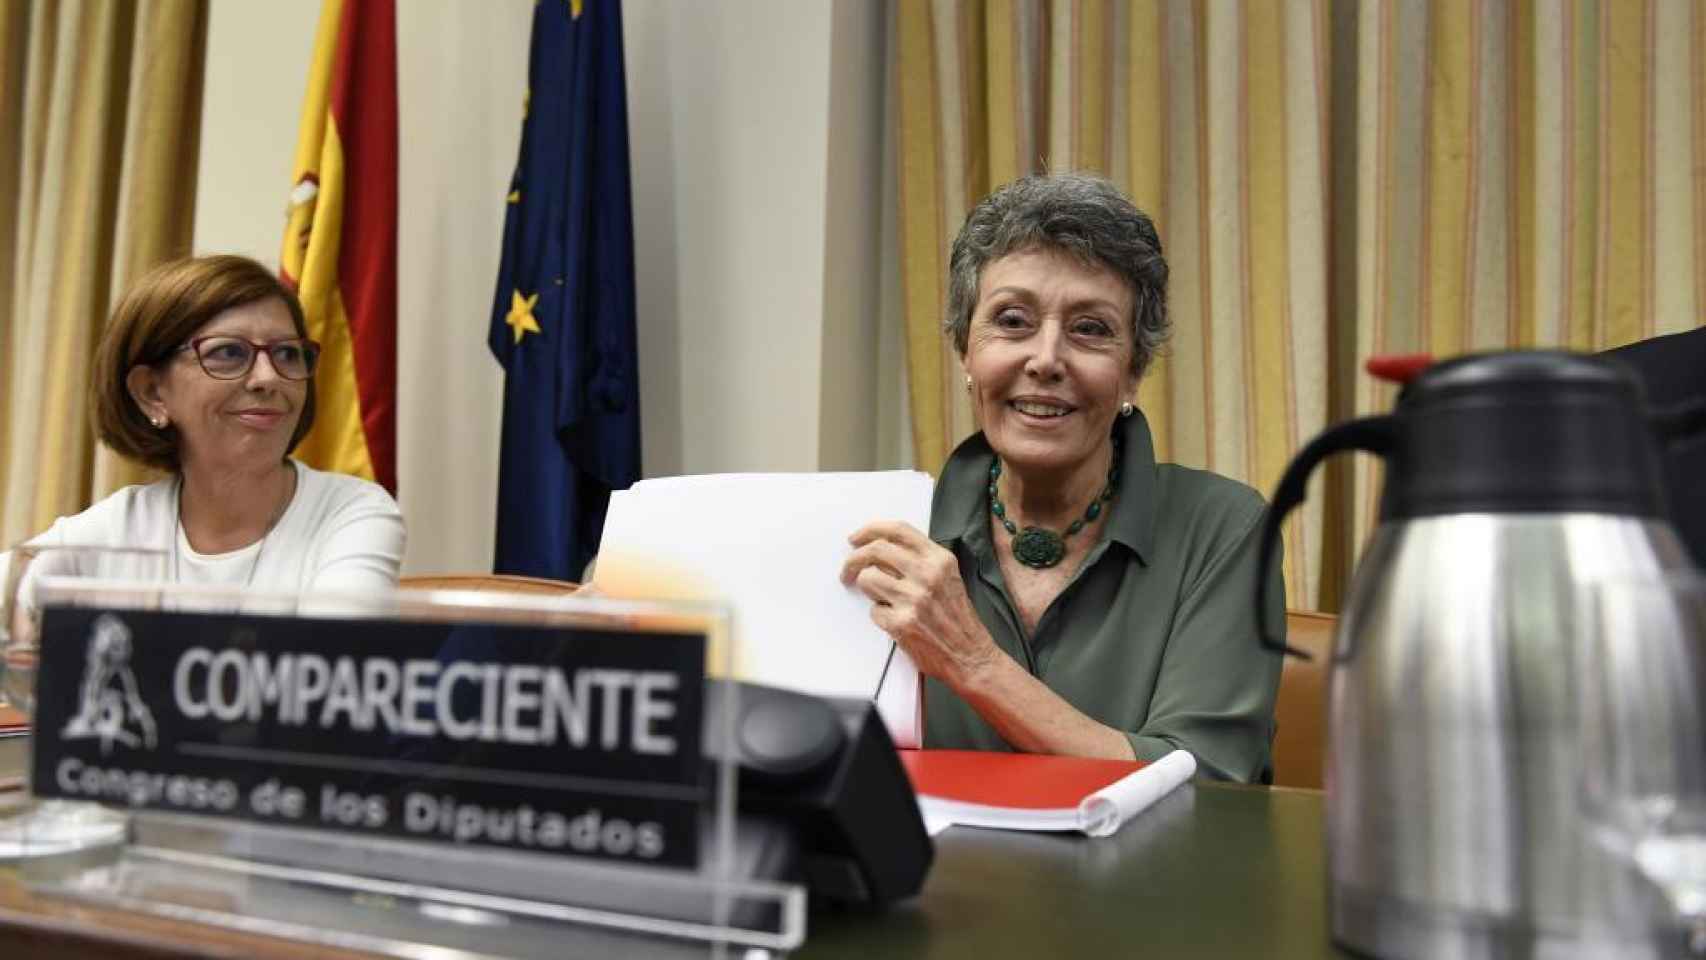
(1104, 812)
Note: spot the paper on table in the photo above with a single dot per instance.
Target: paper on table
(1105, 811)
(772, 546)
(934, 822)
(1099, 813)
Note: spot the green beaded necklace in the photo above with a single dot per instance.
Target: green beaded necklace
(1040, 548)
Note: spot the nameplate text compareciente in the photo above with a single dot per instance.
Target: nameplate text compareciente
(546, 739)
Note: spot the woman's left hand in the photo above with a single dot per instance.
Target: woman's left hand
(920, 601)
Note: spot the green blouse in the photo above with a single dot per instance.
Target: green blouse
(1154, 635)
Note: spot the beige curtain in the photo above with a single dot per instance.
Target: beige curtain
(100, 111)
(1525, 174)
(1331, 180)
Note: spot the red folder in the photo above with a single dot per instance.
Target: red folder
(1020, 790)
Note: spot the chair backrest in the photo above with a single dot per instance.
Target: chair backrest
(487, 582)
(1300, 743)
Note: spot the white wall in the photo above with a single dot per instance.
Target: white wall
(461, 73)
(729, 106)
(756, 152)
(848, 359)
(257, 65)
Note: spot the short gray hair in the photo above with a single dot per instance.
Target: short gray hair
(1079, 214)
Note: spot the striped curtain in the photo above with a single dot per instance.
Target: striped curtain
(1526, 174)
(1331, 180)
(100, 115)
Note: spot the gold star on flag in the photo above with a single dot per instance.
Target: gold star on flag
(515, 196)
(521, 318)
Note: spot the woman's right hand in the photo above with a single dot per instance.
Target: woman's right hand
(919, 600)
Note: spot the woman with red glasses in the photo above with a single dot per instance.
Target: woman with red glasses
(206, 372)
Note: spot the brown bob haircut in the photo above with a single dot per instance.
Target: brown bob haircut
(159, 314)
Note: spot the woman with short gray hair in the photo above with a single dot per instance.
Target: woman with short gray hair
(1074, 596)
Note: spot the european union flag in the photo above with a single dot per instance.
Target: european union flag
(563, 313)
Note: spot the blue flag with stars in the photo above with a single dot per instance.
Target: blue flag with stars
(563, 312)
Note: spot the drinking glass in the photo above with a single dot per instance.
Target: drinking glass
(1642, 669)
(50, 827)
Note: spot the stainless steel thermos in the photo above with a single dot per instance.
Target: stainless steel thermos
(1513, 481)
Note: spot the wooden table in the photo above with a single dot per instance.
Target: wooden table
(1212, 871)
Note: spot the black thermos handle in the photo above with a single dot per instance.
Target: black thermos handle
(1678, 423)
(1371, 434)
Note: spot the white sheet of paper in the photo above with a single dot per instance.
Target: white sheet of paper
(772, 546)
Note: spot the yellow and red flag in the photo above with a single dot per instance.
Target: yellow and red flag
(340, 244)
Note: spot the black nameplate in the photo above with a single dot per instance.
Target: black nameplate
(552, 740)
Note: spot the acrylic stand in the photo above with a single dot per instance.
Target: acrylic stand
(409, 898)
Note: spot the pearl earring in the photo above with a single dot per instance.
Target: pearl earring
(1126, 409)
(158, 422)
(968, 383)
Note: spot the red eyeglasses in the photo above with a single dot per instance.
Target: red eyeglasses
(230, 358)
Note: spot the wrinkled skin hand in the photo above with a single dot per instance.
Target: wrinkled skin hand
(920, 601)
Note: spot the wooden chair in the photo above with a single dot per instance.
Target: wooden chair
(1300, 743)
(487, 583)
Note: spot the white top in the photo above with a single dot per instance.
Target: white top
(339, 533)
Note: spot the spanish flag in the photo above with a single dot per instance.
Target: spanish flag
(340, 244)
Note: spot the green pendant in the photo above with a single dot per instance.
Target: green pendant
(1038, 548)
